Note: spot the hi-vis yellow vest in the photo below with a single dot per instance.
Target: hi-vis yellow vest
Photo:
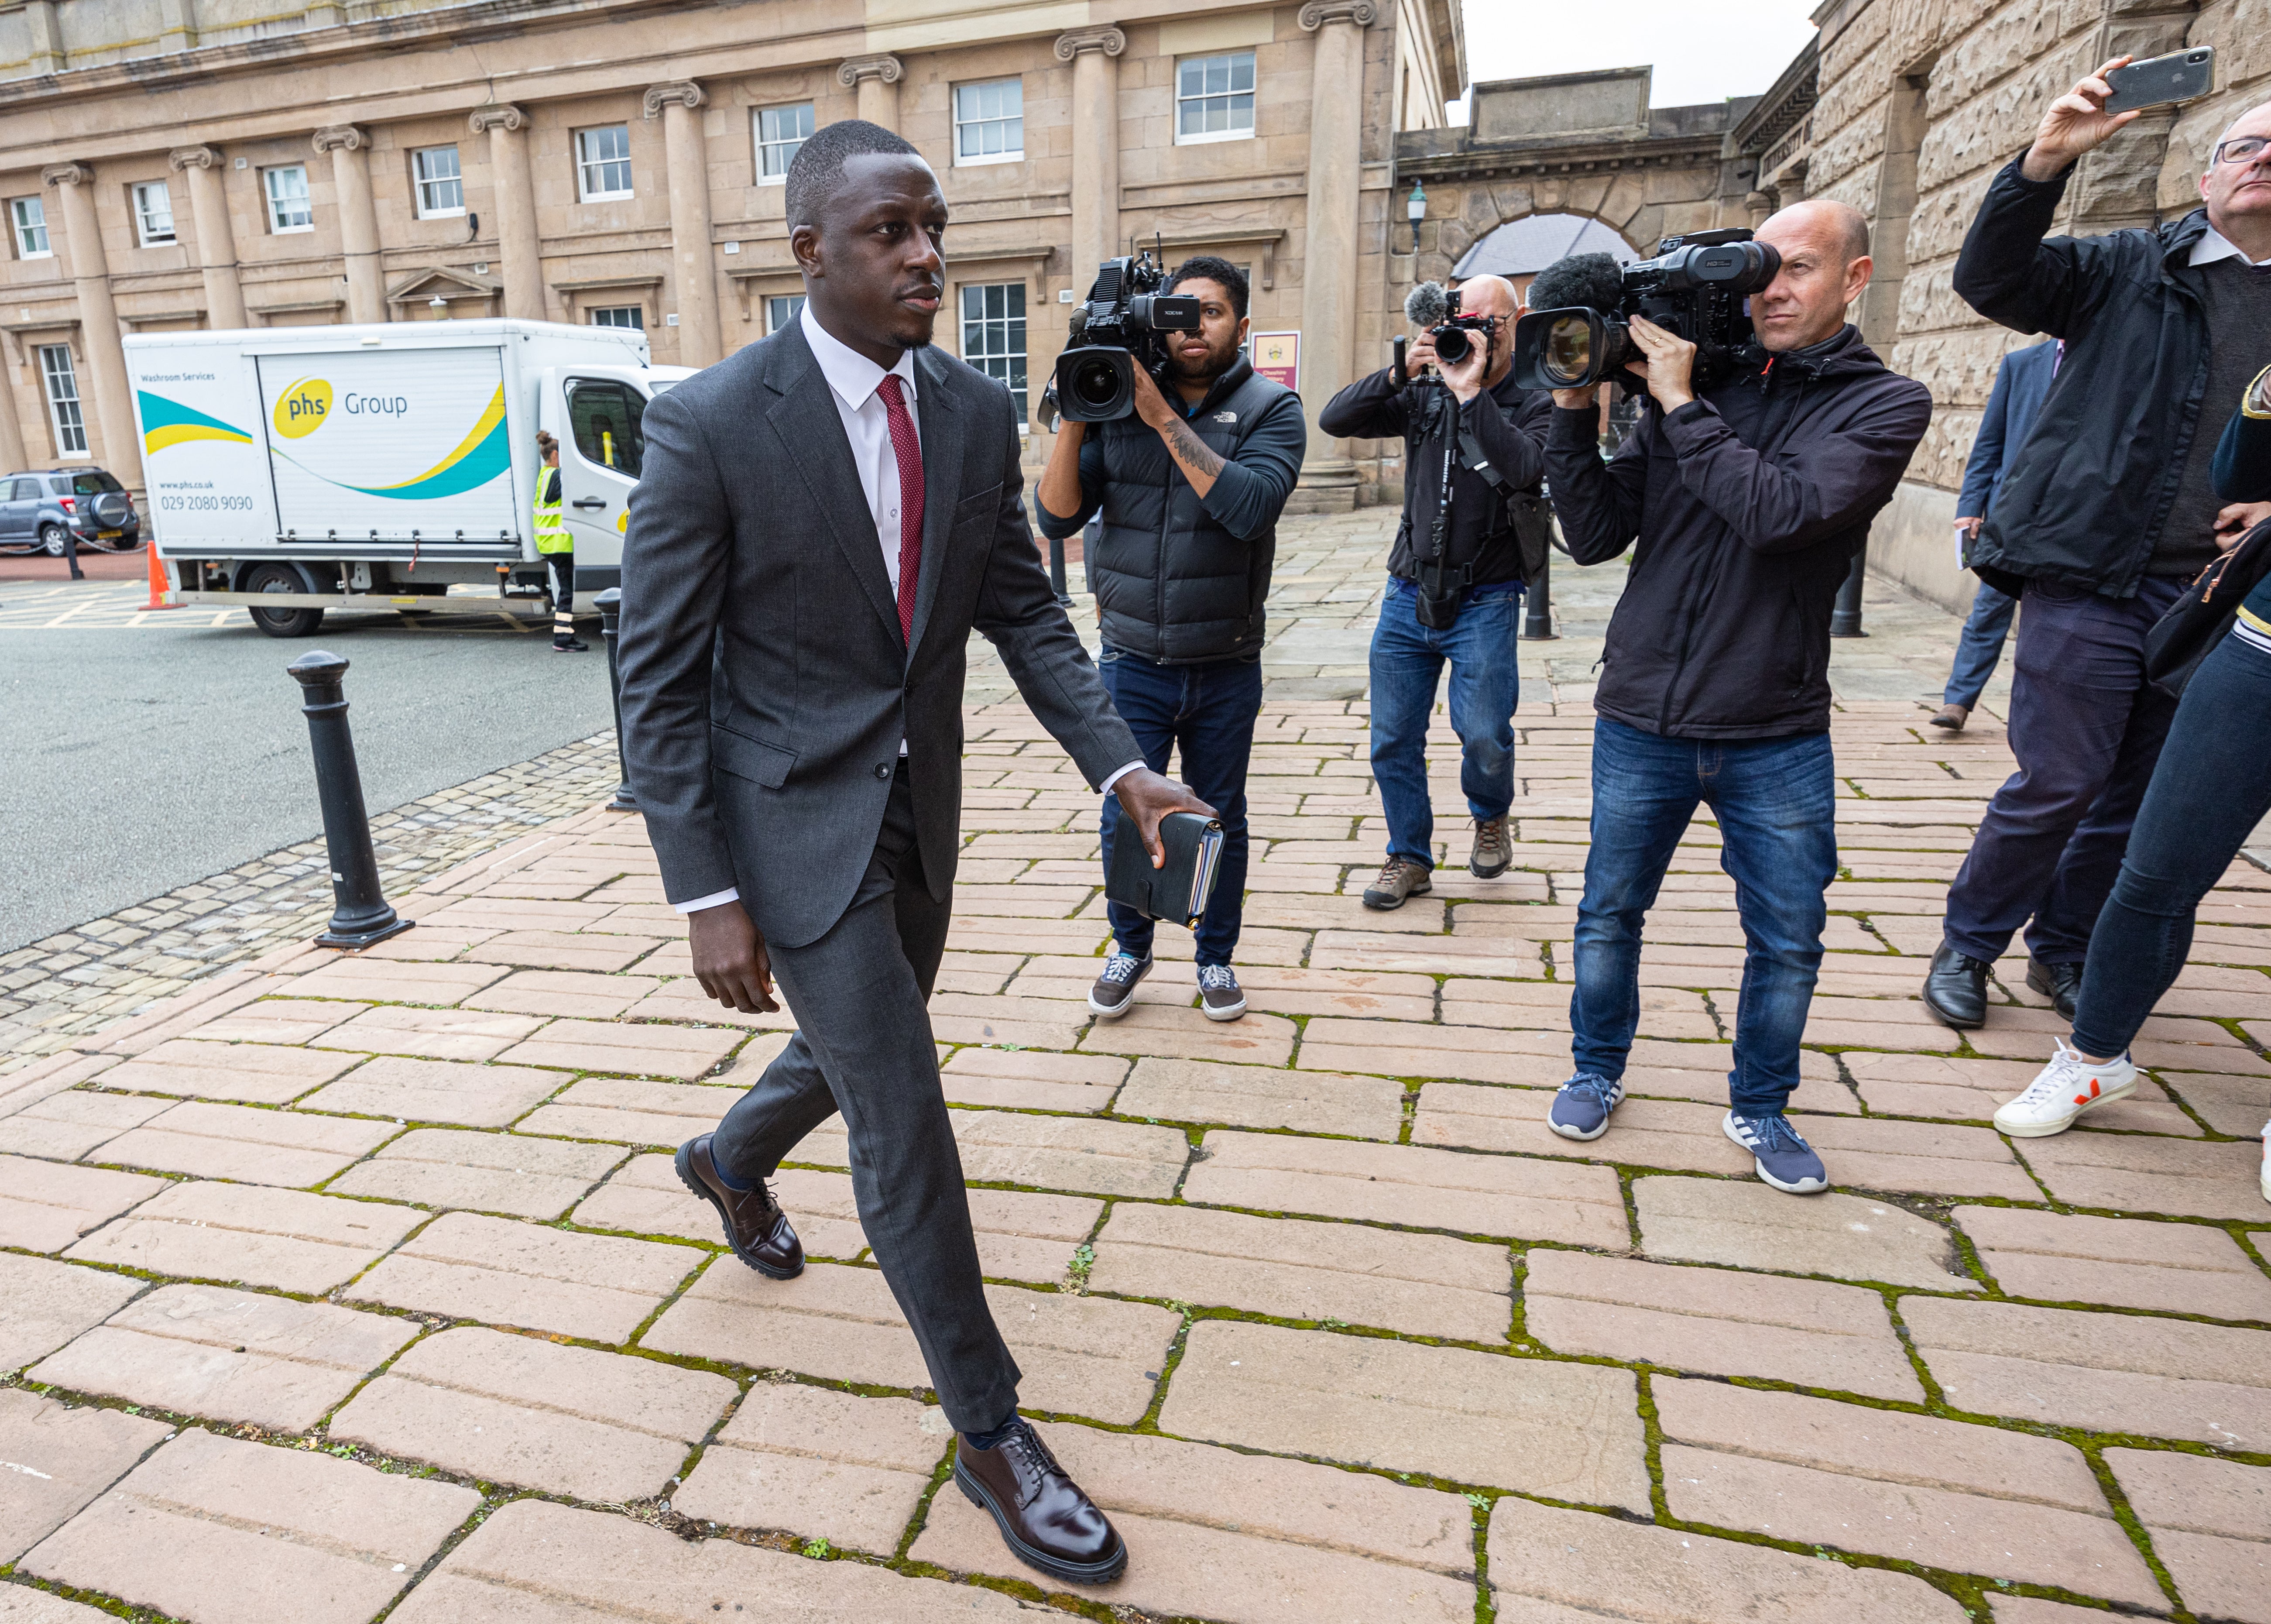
(551, 529)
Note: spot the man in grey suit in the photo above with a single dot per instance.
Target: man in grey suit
(819, 523)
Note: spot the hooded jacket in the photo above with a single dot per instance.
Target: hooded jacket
(1748, 504)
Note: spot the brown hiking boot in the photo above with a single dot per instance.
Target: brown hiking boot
(1399, 877)
(1493, 849)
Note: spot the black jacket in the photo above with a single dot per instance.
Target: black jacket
(1508, 422)
(2242, 457)
(2084, 503)
(1179, 577)
(1748, 504)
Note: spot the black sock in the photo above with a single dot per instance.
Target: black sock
(991, 1437)
(740, 1187)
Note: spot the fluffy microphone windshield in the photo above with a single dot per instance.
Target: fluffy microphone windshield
(1595, 280)
(1427, 304)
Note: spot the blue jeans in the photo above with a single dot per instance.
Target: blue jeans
(1205, 713)
(1980, 649)
(1407, 663)
(1775, 802)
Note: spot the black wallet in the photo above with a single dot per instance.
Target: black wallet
(1178, 891)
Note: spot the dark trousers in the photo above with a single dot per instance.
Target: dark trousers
(1980, 649)
(564, 581)
(2212, 787)
(1776, 803)
(863, 1048)
(1205, 713)
(2087, 728)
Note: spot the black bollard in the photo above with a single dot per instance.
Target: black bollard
(1057, 570)
(611, 615)
(1538, 612)
(360, 913)
(1845, 615)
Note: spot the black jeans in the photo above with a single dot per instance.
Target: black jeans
(2087, 728)
(564, 581)
(2211, 789)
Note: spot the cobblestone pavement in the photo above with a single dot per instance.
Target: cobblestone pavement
(340, 1284)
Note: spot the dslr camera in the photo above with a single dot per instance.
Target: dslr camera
(1698, 286)
(1435, 308)
(1115, 329)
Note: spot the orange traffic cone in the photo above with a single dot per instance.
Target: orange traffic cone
(158, 587)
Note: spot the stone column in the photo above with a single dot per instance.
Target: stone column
(11, 425)
(1328, 290)
(695, 276)
(877, 79)
(350, 150)
(515, 208)
(98, 319)
(202, 168)
(47, 36)
(1095, 146)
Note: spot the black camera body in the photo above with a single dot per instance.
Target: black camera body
(1698, 288)
(1454, 335)
(1118, 328)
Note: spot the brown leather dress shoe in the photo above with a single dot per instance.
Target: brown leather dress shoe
(1045, 1519)
(755, 1227)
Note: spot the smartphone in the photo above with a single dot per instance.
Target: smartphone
(2180, 76)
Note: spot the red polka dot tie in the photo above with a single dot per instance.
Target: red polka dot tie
(908, 450)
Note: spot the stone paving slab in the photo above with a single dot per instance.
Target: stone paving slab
(1219, 1535)
(504, 1272)
(577, 993)
(44, 1304)
(1254, 1040)
(1748, 1226)
(20, 1604)
(436, 1091)
(398, 980)
(1974, 1499)
(1960, 1088)
(513, 1173)
(248, 1234)
(522, 1411)
(632, 1111)
(2210, 1521)
(1051, 1152)
(58, 1460)
(1807, 1332)
(249, 1146)
(1539, 1427)
(214, 1529)
(436, 1034)
(561, 949)
(232, 1355)
(277, 1020)
(1033, 1080)
(2129, 1173)
(2120, 1262)
(819, 1464)
(1311, 1102)
(680, 1051)
(66, 1127)
(264, 1074)
(45, 1206)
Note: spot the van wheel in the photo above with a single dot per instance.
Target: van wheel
(283, 622)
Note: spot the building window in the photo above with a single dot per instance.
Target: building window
(781, 309)
(62, 383)
(1214, 98)
(780, 131)
(288, 209)
(989, 121)
(994, 334)
(441, 188)
(29, 217)
(153, 214)
(603, 163)
(632, 315)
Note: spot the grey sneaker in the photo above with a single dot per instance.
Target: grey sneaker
(1399, 877)
(1220, 997)
(1582, 1105)
(1114, 992)
(1782, 1158)
(1493, 849)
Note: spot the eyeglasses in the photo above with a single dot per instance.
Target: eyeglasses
(2241, 149)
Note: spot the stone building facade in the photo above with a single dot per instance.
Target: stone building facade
(170, 164)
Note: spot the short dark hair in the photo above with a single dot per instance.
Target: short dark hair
(817, 169)
(1214, 270)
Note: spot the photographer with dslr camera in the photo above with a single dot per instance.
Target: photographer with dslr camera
(1456, 576)
(1189, 485)
(1748, 492)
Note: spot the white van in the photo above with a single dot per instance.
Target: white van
(296, 470)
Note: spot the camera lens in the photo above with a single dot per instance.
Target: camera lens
(1452, 344)
(1569, 356)
(1096, 382)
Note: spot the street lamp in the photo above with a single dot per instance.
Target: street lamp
(440, 307)
(1415, 207)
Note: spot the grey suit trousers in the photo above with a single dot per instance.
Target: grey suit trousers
(863, 1048)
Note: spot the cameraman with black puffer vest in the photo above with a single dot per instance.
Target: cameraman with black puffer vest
(1455, 576)
(1189, 487)
(1748, 499)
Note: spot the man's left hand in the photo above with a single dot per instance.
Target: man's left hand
(1465, 380)
(1147, 797)
(2235, 519)
(1150, 405)
(1671, 365)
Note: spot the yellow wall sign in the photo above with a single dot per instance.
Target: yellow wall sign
(1278, 356)
(303, 409)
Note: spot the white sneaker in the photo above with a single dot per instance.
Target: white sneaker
(2065, 1088)
(2267, 1161)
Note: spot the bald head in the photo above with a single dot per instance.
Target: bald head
(1488, 295)
(1825, 265)
(1836, 228)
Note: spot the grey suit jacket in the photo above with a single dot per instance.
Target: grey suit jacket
(765, 685)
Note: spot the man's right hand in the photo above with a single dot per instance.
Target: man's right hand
(1421, 353)
(1970, 526)
(730, 959)
(2075, 125)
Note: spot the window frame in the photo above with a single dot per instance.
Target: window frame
(136, 194)
(585, 164)
(18, 226)
(760, 146)
(62, 429)
(636, 312)
(306, 200)
(982, 360)
(796, 303)
(1204, 137)
(960, 123)
(419, 181)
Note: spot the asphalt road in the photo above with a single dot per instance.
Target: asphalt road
(140, 759)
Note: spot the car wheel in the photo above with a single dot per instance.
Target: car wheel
(294, 621)
(51, 540)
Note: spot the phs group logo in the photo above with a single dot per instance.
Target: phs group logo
(302, 408)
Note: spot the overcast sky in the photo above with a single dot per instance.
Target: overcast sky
(1703, 50)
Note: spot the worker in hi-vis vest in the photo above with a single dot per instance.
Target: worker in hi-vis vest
(558, 548)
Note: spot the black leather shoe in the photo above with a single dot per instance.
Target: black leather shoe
(2061, 984)
(755, 1227)
(1045, 1519)
(1955, 990)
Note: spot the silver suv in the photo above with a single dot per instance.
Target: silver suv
(39, 510)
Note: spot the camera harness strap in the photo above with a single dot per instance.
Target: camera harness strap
(1462, 448)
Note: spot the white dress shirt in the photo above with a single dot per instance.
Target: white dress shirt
(2214, 245)
(853, 381)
